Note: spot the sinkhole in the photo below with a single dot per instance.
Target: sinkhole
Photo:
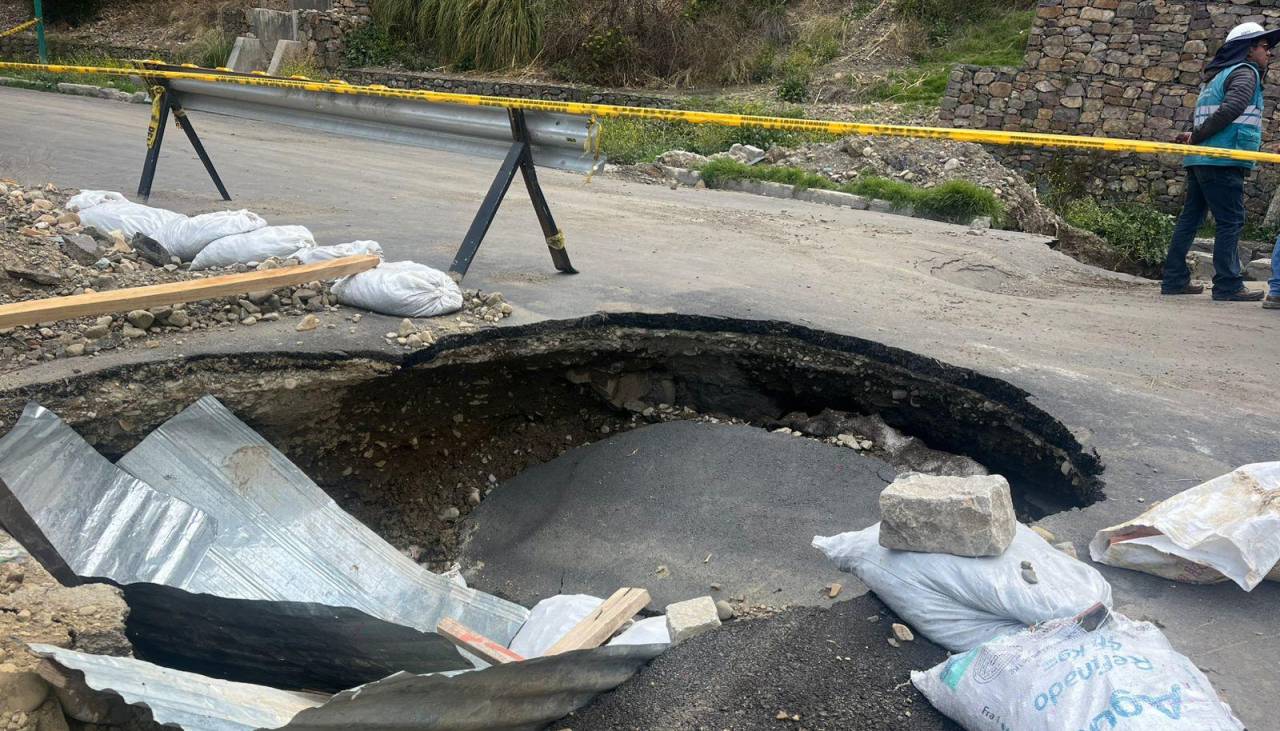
(670, 451)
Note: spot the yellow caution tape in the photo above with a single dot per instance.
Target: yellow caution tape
(157, 106)
(19, 28)
(994, 137)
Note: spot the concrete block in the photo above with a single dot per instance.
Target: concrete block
(248, 54)
(833, 198)
(760, 187)
(962, 516)
(1258, 270)
(273, 26)
(79, 89)
(286, 52)
(691, 618)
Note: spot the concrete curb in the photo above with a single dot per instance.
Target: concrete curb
(693, 178)
(97, 92)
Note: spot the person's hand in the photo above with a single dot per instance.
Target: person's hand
(1183, 138)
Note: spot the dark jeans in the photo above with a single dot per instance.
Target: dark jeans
(1218, 189)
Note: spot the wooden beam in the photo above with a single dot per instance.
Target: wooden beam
(596, 628)
(52, 309)
(475, 643)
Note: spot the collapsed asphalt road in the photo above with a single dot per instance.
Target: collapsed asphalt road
(1169, 393)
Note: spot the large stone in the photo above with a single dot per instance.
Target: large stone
(691, 618)
(22, 692)
(963, 516)
(1258, 270)
(1201, 264)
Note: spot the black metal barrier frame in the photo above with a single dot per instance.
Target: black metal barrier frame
(165, 102)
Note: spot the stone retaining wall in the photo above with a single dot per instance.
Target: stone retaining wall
(1116, 68)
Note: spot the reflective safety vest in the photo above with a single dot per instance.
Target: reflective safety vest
(1245, 133)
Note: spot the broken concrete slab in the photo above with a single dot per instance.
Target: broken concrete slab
(691, 618)
(962, 516)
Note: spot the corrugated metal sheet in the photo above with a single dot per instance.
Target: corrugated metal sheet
(192, 702)
(81, 517)
(281, 537)
(206, 505)
(512, 697)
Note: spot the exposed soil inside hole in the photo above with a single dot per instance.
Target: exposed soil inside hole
(411, 446)
(801, 669)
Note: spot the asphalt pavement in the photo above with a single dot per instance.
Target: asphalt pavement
(1169, 391)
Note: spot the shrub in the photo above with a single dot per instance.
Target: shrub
(372, 45)
(959, 201)
(72, 12)
(1138, 234)
(489, 34)
(210, 49)
(794, 87)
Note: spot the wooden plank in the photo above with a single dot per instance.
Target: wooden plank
(475, 643)
(596, 628)
(52, 309)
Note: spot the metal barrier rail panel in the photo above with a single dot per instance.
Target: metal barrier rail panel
(557, 140)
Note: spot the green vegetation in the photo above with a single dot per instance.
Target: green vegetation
(302, 65)
(210, 49)
(45, 80)
(629, 141)
(1139, 234)
(996, 36)
(956, 200)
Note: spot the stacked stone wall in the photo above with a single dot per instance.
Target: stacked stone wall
(1114, 68)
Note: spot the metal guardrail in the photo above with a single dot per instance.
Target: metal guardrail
(556, 140)
(522, 139)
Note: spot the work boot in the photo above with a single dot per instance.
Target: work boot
(1188, 289)
(1271, 303)
(1244, 294)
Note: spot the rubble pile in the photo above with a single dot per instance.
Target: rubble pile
(45, 251)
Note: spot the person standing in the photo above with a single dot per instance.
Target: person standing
(1228, 115)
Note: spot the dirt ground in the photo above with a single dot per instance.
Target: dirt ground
(825, 669)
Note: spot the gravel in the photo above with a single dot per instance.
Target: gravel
(802, 668)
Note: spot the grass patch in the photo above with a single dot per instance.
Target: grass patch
(1137, 233)
(957, 201)
(49, 81)
(211, 49)
(998, 40)
(630, 141)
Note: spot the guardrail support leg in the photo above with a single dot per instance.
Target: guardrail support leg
(519, 157)
(155, 138)
(488, 209)
(162, 104)
(184, 122)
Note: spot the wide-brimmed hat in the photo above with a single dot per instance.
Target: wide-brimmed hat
(1253, 32)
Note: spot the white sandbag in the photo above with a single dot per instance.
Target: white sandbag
(401, 289)
(90, 198)
(129, 219)
(960, 602)
(1060, 677)
(187, 237)
(337, 251)
(257, 245)
(651, 631)
(1226, 528)
(551, 619)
